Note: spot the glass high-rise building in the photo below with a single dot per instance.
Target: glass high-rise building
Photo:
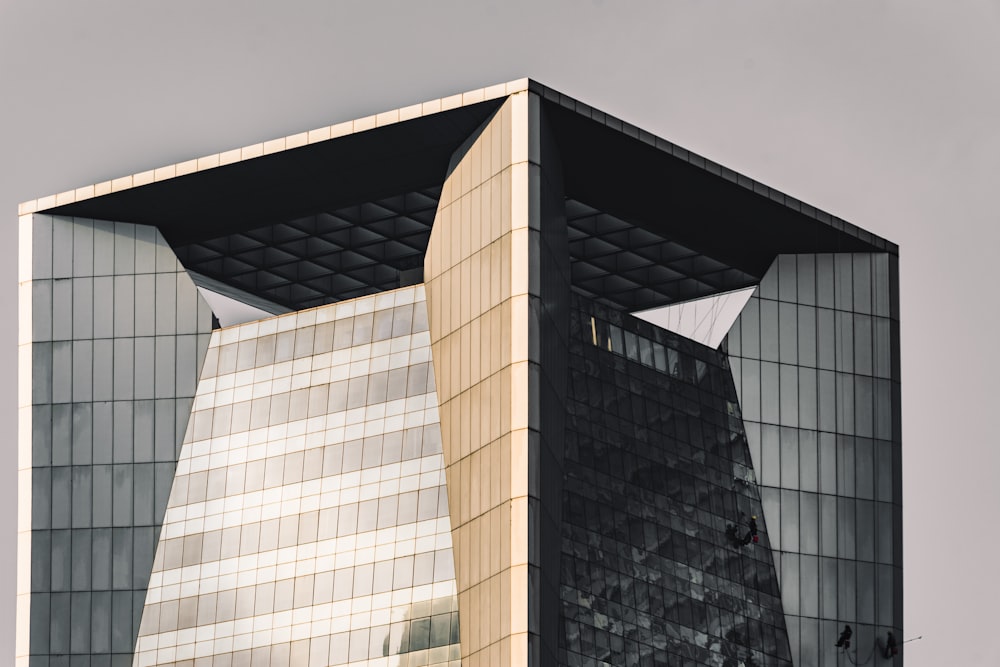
(449, 440)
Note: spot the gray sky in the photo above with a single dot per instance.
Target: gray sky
(882, 112)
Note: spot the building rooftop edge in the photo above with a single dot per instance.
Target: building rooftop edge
(435, 106)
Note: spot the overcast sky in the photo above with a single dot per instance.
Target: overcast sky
(884, 113)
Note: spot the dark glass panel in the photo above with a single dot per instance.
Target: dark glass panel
(770, 344)
(809, 523)
(808, 397)
(788, 332)
(787, 278)
(844, 285)
(750, 329)
(862, 281)
(788, 395)
(654, 468)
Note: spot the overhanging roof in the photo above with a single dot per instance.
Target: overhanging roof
(346, 210)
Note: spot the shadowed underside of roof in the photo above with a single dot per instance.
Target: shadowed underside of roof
(649, 223)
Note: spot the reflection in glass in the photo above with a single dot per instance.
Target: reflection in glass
(297, 489)
(637, 487)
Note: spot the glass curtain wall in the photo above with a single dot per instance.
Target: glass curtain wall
(308, 523)
(659, 565)
(117, 334)
(815, 358)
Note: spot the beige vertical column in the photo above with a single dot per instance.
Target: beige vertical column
(477, 280)
(22, 634)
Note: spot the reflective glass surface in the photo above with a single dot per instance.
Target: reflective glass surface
(308, 520)
(828, 447)
(658, 494)
(104, 446)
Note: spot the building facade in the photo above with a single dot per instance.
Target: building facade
(448, 439)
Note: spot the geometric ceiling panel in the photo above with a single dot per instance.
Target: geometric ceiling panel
(651, 223)
(329, 256)
(624, 266)
(375, 246)
(379, 245)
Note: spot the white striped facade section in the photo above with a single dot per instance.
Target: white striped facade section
(308, 521)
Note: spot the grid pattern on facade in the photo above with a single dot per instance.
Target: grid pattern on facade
(626, 266)
(815, 359)
(308, 521)
(477, 275)
(656, 468)
(116, 336)
(322, 258)
(370, 247)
